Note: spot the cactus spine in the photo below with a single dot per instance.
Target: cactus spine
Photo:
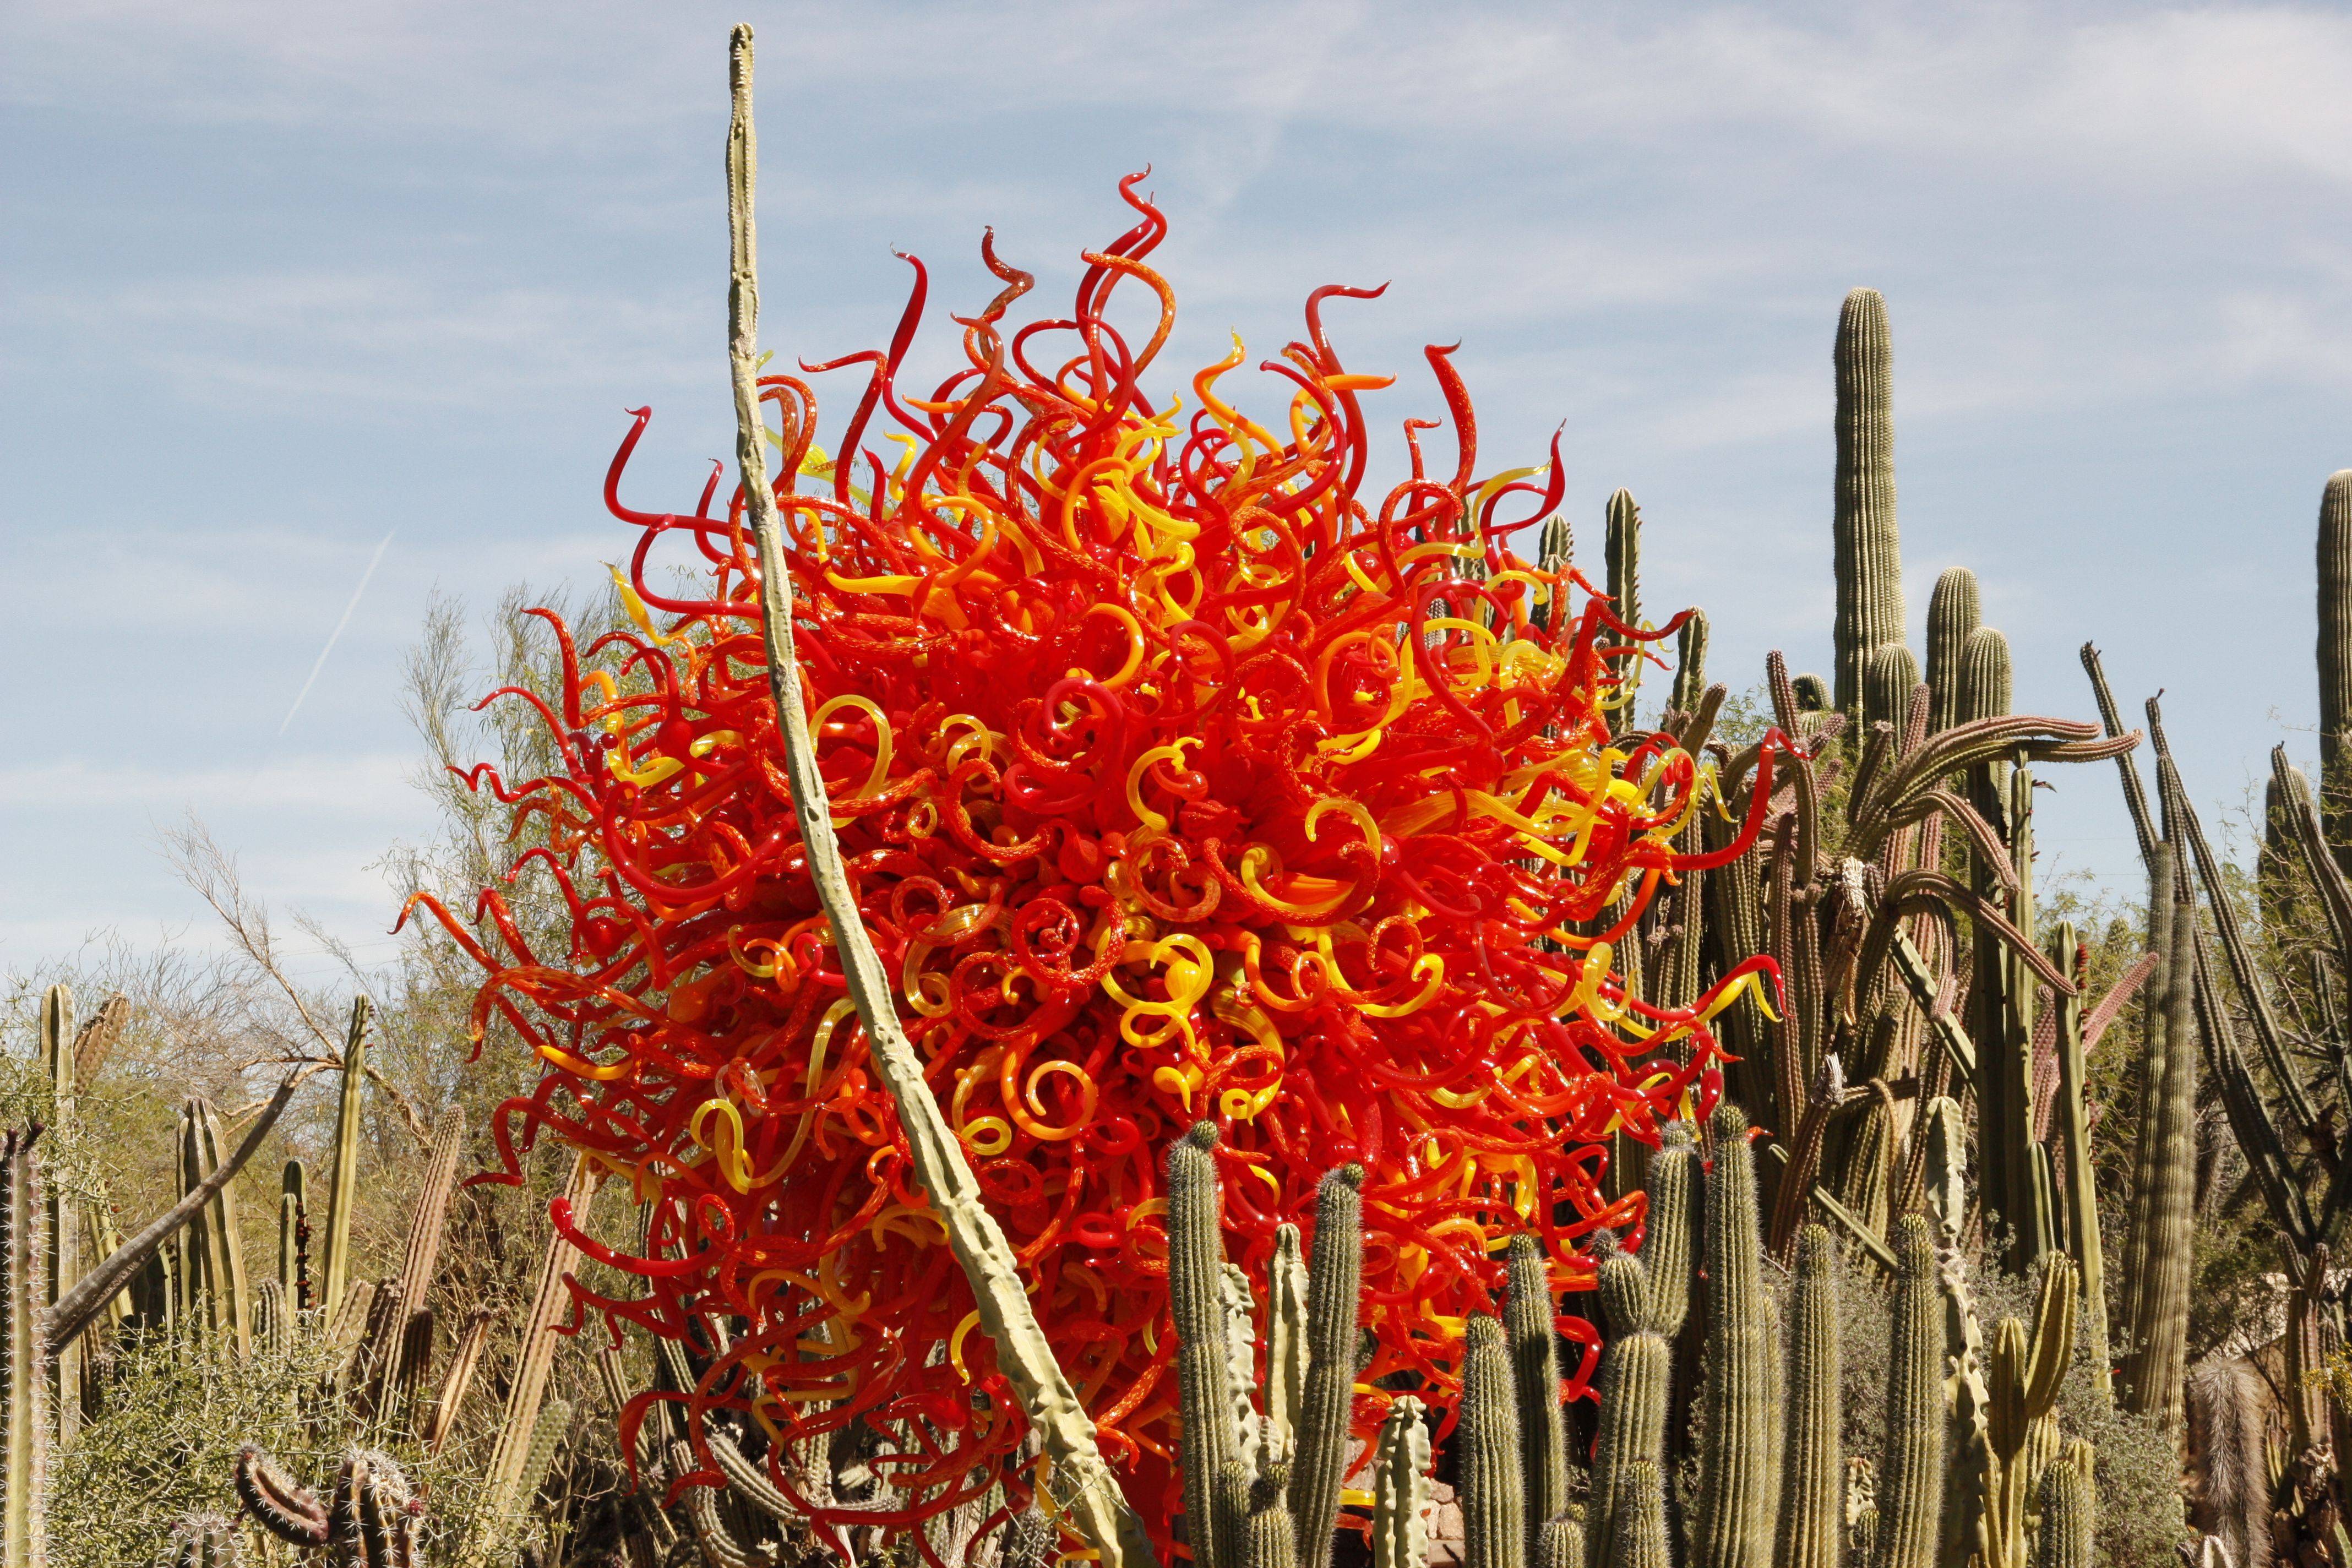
(204, 1540)
(1194, 1275)
(342, 1196)
(1494, 1512)
(2336, 658)
(1812, 1463)
(1869, 554)
(1733, 1528)
(1952, 618)
(1911, 1482)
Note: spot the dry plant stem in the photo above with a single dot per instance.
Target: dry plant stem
(1089, 1498)
(74, 1309)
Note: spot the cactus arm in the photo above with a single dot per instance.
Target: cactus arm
(1401, 1492)
(464, 1361)
(2066, 1538)
(84, 1301)
(2302, 819)
(1494, 1514)
(1732, 1529)
(1560, 1544)
(1335, 1282)
(291, 1513)
(1534, 1361)
(1667, 1257)
(1622, 547)
(1690, 666)
(1094, 1506)
(1195, 1273)
(1952, 614)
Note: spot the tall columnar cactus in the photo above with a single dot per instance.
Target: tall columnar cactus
(1335, 1283)
(217, 1249)
(1634, 1372)
(2028, 1368)
(1812, 1459)
(1493, 1511)
(1733, 1528)
(1555, 551)
(1869, 555)
(342, 1197)
(294, 1237)
(1401, 1487)
(1891, 673)
(63, 1266)
(1535, 1361)
(2066, 1539)
(25, 1430)
(1623, 547)
(2157, 1330)
(1196, 1303)
(1911, 1483)
(2073, 1122)
(2336, 661)
(1953, 617)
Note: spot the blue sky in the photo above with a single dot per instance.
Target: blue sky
(278, 282)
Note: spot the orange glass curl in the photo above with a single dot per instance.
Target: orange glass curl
(1179, 775)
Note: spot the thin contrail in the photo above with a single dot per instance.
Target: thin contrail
(336, 634)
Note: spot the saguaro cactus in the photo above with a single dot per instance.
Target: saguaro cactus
(2335, 660)
(1869, 555)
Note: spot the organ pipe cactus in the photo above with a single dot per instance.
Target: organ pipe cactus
(1535, 1363)
(2157, 1332)
(1634, 1372)
(1733, 1526)
(25, 1430)
(63, 1265)
(293, 1237)
(2029, 1365)
(1869, 557)
(1622, 545)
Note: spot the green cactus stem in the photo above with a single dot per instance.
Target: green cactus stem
(1889, 678)
(1196, 1257)
(2067, 1536)
(2028, 1368)
(369, 1522)
(1267, 1540)
(1534, 1361)
(2074, 1124)
(204, 1540)
(1093, 1505)
(1733, 1526)
(1560, 1543)
(1690, 665)
(293, 1237)
(1952, 617)
(1812, 1461)
(2147, 1084)
(1869, 553)
(1555, 551)
(457, 1379)
(1640, 1520)
(1635, 1373)
(64, 1263)
(1494, 1513)
(221, 1245)
(1286, 1338)
(1911, 1482)
(2336, 661)
(1811, 694)
(2157, 1333)
(1402, 1489)
(342, 1196)
(1335, 1282)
